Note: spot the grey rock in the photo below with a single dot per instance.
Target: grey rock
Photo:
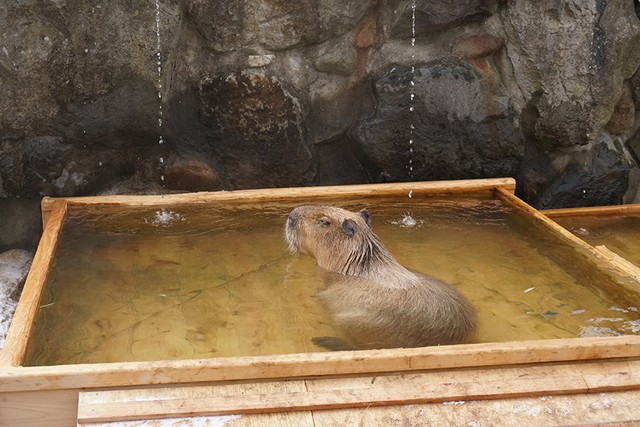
(595, 175)
(458, 128)
(20, 224)
(86, 110)
(438, 15)
(570, 59)
(256, 129)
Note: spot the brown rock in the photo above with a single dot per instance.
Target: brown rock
(190, 175)
(478, 46)
(366, 36)
(624, 113)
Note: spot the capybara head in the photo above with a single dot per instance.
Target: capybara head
(340, 240)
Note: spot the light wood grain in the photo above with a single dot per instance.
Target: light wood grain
(315, 364)
(52, 408)
(629, 281)
(603, 409)
(594, 210)
(320, 192)
(363, 392)
(27, 308)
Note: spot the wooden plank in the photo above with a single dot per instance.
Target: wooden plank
(320, 192)
(619, 210)
(616, 259)
(614, 408)
(16, 342)
(401, 390)
(630, 281)
(91, 398)
(46, 206)
(53, 408)
(315, 364)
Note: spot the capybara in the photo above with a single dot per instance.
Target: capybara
(375, 301)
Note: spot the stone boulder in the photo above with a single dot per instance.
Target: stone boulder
(440, 121)
(187, 95)
(438, 15)
(20, 224)
(256, 129)
(597, 174)
(570, 59)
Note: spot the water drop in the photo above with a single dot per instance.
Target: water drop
(412, 94)
(158, 56)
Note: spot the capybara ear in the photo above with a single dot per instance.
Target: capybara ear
(364, 213)
(349, 227)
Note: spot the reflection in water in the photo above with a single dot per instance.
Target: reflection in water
(132, 285)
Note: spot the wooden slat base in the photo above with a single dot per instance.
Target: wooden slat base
(360, 392)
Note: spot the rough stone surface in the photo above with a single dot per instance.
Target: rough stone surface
(478, 46)
(256, 129)
(438, 15)
(594, 175)
(458, 128)
(624, 113)
(573, 99)
(20, 224)
(190, 174)
(272, 93)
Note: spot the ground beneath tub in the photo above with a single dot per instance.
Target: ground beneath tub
(20, 230)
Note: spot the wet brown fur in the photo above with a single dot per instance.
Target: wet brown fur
(376, 301)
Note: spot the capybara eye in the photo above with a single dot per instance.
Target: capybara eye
(324, 222)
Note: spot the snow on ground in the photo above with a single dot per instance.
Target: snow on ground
(14, 266)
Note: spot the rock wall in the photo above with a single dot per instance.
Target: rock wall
(275, 93)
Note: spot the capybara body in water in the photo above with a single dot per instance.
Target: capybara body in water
(376, 302)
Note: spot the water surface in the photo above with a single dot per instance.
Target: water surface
(621, 234)
(207, 281)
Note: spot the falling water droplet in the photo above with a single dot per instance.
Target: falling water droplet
(412, 94)
(158, 56)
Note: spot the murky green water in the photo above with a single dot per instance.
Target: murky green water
(180, 283)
